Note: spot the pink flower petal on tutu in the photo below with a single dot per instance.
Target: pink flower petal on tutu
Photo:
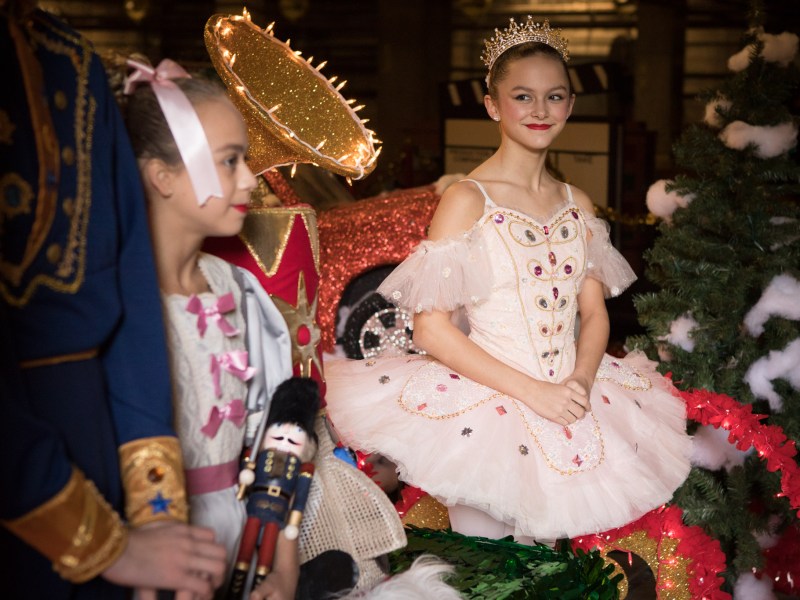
(567, 433)
(606, 400)
(441, 388)
(422, 406)
(578, 460)
(500, 410)
(454, 376)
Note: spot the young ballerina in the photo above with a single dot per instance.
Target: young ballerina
(524, 426)
(197, 184)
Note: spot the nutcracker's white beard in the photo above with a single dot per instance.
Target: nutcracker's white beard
(422, 581)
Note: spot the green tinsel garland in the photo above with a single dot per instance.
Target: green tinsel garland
(499, 569)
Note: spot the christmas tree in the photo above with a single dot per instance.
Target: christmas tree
(726, 318)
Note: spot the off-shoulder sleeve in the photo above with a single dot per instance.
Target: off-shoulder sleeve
(605, 263)
(441, 275)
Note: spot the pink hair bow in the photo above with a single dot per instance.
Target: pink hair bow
(234, 362)
(215, 312)
(233, 411)
(183, 123)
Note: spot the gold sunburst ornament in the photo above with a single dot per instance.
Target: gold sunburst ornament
(294, 113)
(516, 34)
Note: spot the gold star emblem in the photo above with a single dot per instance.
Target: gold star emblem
(300, 320)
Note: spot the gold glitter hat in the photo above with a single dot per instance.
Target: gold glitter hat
(516, 34)
(293, 112)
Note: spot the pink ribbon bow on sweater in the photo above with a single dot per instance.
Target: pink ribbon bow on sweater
(233, 411)
(234, 362)
(184, 124)
(215, 312)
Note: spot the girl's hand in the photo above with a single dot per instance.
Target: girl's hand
(276, 586)
(170, 556)
(562, 404)
(581, 385)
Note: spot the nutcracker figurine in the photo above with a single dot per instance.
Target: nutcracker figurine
(277, 478)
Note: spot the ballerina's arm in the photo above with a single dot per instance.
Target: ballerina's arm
(595, 327)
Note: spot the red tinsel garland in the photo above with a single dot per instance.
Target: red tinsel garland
(782, 562)
(746, 430)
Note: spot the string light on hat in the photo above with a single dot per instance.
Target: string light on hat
(294, 113)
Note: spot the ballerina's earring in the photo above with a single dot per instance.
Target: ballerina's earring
(496, 118)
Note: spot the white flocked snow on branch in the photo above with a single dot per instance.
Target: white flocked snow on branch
(770, 140)
(781, 298)
(662, 203)
(712, 450)
(778, 364)
(680, 331)
(780, 49)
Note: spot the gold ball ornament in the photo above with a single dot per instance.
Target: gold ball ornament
(294, 113)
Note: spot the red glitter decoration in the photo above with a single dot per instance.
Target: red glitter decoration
(362, 236)
(782, 562)
(281, 188)
(606, 400)
(706, 559)
(409, 496)
(568, 433)
(501, 410)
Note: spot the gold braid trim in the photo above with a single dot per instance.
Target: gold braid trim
(76, 529)
(154, 481)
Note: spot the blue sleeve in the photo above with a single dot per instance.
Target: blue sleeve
(37, 466)
(136, 358)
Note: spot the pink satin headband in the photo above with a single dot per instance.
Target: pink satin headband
(183, 123)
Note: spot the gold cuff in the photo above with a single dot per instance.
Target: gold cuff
(154, 481)
(76, 529)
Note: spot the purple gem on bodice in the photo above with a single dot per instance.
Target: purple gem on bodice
(567, 269)
(574, 215)
(537, 270)
(498, 218)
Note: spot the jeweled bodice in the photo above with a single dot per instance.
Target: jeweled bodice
(529, 318)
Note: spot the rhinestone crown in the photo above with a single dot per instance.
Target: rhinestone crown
(516, 34)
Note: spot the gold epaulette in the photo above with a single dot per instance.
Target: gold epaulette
(76, 529)
(154, 481)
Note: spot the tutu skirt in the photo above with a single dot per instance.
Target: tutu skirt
(467, 444)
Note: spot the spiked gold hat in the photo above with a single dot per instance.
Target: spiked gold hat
(294, 113)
